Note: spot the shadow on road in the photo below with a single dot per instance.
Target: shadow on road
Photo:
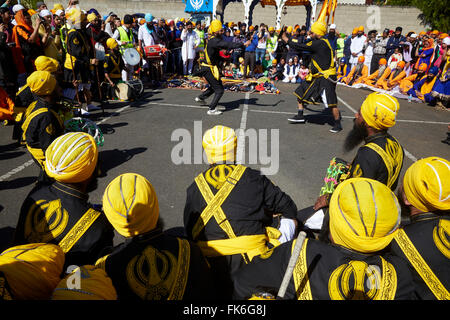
(110, 159)
(11, 155)
(110, 128)
(17, 183)
(6, 238)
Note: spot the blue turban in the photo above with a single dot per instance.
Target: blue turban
(148, 17)
(179, 23)
(93, 11)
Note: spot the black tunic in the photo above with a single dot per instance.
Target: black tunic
(333, 273)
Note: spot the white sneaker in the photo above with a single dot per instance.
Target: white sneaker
(197, 99)
(84, 112)
(91, 107)
(214, 112)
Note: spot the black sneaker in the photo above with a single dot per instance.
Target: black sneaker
(297, 119)
(336, 128)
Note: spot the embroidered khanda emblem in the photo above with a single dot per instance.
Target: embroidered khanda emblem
(152, 274)
(217, 175)
(441, 235)
(45, 221)
(359, 281)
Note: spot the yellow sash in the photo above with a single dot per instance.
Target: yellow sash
(214, 69)
(388, 161)
(300, 274)
(78, 230)
(422, 268)
(323, 73)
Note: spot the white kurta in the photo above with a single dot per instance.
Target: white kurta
(357, 46)
(190, 41)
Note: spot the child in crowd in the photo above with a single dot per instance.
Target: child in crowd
(302, 73)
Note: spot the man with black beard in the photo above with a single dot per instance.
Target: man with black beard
(59, 212)
(381, 156)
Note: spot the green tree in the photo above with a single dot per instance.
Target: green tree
(435, 13)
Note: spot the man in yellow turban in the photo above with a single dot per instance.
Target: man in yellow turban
(349, 263)
(425, 198)
(210, 67)
(30, 272)
(41, 124)
(85, 283)
(241, 200)
(59, 212)
(322, 84)
(150, 264)
(381, 156)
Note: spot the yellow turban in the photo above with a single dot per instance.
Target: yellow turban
(289, 29)
(355, 31)
(215, 26)
(44, 63)
(111, 43)
(74, 16)
(427, 184)
(131, 205)
(364, 215)
(361, 29)
(32, 270)
(319, 28)
(94, 284)
(71, 157)
(380, 110)
(41, 83)
(220, 144)
(91, 17)
(58, 6)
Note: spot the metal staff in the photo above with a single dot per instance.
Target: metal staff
(292, 261)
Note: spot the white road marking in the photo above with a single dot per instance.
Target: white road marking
(240, 151)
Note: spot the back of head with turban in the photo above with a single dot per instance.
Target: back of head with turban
(364, 215)
(220, 144)
(94, 284)
(319, 28)
(44, 63)
(111, 43)
(131, 205)
(41, 83)
(32, 270)
(148, 17)
(426, 184)
(380, 110)
(71, 158)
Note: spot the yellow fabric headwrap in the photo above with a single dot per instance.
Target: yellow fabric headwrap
(44, 63)
(215, 26)
(41, 83)
(91, 17)
(94, 284)
(71, 157)
(220, 144)
(58, 6)
(111, 43)
(32, 270)
(131, 205)
(364, 215)
(319, 28)
(427, 184)
(289, 29)
(380, 110)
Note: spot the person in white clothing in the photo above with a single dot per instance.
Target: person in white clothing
(357, 46)
(290, 72)
(368, 49)
(190, 42)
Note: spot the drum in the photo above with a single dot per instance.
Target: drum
(154, 52)
(99, 51)
(131, 56)
(78, 124)
(129, 90)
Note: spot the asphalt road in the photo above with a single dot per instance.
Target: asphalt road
(145, 137)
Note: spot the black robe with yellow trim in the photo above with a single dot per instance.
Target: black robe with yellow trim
(40, 131)
(157, 266)
(310, 92)
(326, 272)
(79, 53)
(368, 163)
(249, 209)
(49, 215)
(429, 234)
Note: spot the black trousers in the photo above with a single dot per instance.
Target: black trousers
(215, 86)
(249, 58)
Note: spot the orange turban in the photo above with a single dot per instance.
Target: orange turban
(382, 61)
(401, 64)
(361, 59)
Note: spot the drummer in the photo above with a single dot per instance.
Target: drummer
(113, 66)
(125, 38)
(146, 38)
